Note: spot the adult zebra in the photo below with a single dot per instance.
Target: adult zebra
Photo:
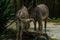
(39, 13)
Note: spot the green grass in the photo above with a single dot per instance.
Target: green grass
(56, 20)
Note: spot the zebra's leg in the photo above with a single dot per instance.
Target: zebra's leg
(45, 24)
(28, 25)
(35, 25)
(40, 25)
(17, 35)
(17, 29)
(21, 34)
(21, 30)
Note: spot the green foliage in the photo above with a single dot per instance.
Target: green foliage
(56, 20)
(7, 13)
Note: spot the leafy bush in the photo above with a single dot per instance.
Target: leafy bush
(7, 13)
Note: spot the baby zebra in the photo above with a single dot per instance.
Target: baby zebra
(23, 20)
(21, 16)
(40, 13)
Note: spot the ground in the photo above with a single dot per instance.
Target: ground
(53, 29)
(49, 24)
